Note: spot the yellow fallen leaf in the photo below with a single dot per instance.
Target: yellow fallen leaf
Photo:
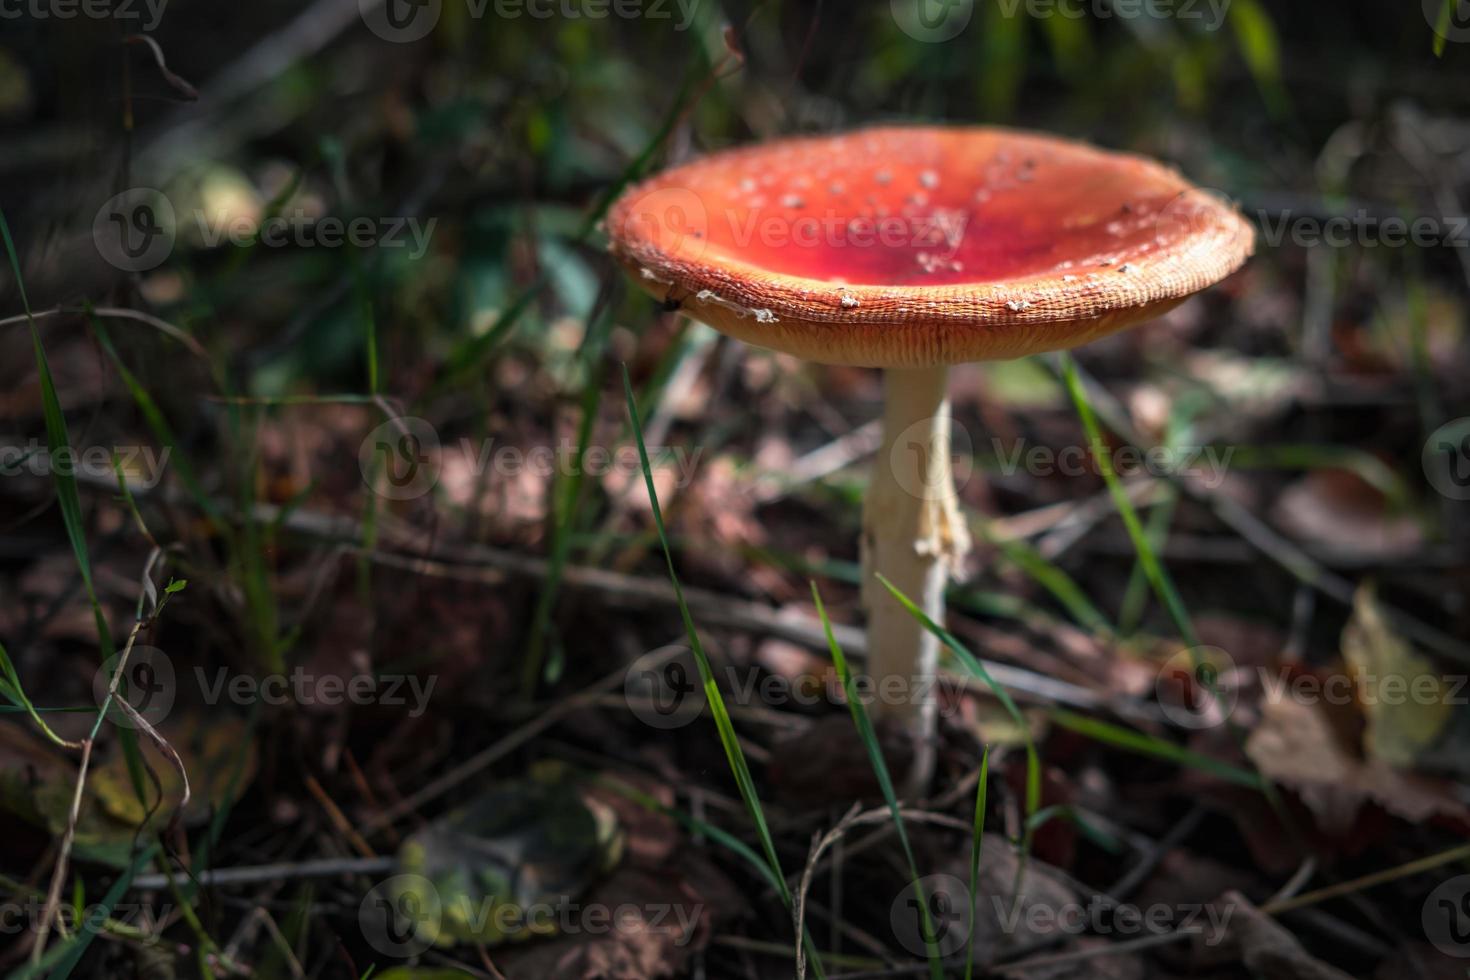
(1401, 693)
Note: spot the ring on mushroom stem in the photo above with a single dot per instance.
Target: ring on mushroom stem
(911, 249)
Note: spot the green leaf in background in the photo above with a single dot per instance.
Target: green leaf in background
(1259, 45)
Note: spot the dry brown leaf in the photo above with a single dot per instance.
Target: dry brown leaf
(1340, 513)
(1297, 746)
(663, 917)
(1263, 946)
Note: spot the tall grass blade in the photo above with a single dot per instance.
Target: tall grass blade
(733, 753)
(885, 782)
(1140, 743)
(977, 838)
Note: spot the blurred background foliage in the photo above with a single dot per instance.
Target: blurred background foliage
(506, 129)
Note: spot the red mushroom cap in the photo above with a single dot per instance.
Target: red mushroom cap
(907, 247)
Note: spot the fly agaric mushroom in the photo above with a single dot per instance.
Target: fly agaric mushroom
(911, 249)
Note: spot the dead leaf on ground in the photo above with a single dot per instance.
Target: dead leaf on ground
(662, 917)
(1340, 513)
(1403, 696)
(1007, 929)
(213, 749)
(1265, 947)
(1297, 746)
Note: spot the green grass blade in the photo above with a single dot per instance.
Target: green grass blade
(720, 836)
(977, 838)
(153, 415)
(1135, 596)
(1051, 578)
(885, 782)
(1153, 569)
(1033, 761)
(1132, 740)
(69, 500)
(58, 963)
(1064, 811)
(1442, 26)
(733, 753)
(12, 689)
(1163, 587)
(568, 500)
(59, 442)
(977, 669)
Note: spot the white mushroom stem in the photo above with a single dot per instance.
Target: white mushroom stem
(914, 534)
